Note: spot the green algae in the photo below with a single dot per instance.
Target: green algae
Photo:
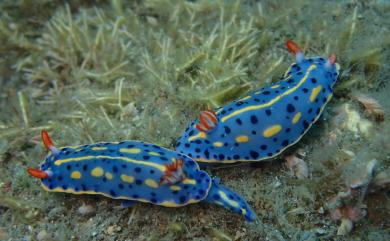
(116, 70)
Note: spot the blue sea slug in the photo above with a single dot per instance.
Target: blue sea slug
(133, 171)
(265, 122)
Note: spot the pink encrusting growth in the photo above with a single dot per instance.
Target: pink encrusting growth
(207, 121)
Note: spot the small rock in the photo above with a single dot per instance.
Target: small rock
(86, 210)
(345, 227)
(3, 234)
(44, 236)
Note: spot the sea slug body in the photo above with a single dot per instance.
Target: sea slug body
(266, 121)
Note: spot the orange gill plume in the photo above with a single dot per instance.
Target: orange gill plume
(174, 173)
(207, 121)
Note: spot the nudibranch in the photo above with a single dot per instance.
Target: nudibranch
(265, 122)
(133, 171)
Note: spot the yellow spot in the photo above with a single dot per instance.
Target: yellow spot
(75, 175)
(98, 148)
(151, 183)
(275, 86)
(97, 172)
(189, 181)
(108, 175)
(152, 153)
(315, 92)
(217, 144)
(228, 200)
(130, 150)
(274, 100)
(296, 117)
(243, 211)
(245, 98)
(271, 131)
(199, 135)
(242, 139)
(127, 178)
(175, 188)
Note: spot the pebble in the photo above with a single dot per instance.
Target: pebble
(43, 236)
(86, 210)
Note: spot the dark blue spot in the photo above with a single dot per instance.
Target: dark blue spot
(254, 132)
(285, 143)
(120, 185)
(266, 92)
(83, 187)
(197, 150)
(114, 169)
(263, 147)
(68, 167)
(60, 178)
(153, 200)
(310, 110)
(227, 129)
(305, 90)
(124, 166)
(254, 154)
(238, 120)
(135, 196)
(85, 167)
(290, 108)
(296, 98)
(191, 133)
(288, 130)
(313, 80)
(207, 154)
(318, 111)
(236, 157)
(164, 158)
(153, 194)
(151, 171)
(268, 112)
(216, 197)
(137, 169)
(254, 119)
(187, 145)
(305, 124)
(201, 192)
(64, 187)
(221, 156)
(182, 199)
(269, 154)
(198, 141)
(138, 182)
(146, 157)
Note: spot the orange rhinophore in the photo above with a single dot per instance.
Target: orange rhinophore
(332, 59)
(292, 47)
(37, 173)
